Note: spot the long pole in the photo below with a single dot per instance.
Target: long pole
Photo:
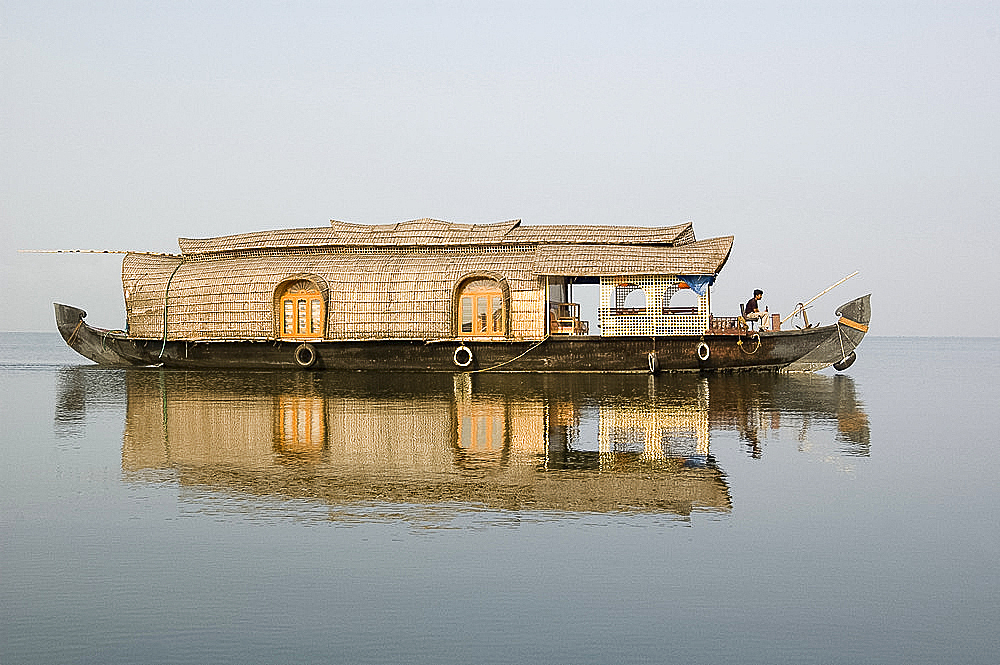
(73, 251)
(802, 306)
(90, 251)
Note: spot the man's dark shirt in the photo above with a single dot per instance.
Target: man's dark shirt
(751, 307)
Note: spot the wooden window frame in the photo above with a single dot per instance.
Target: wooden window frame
(482, 308)
(300, 310)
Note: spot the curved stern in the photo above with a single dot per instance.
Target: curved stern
(104, 347)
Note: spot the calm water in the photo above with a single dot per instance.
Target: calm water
(150, 516)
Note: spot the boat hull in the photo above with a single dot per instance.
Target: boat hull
(795, 350)
(104, 347)
(851, 327)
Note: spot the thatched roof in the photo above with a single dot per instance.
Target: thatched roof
(705, 257)
(437, 233)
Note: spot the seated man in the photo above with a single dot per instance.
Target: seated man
(752, 312)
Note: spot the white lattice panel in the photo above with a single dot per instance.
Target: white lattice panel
(655, 317)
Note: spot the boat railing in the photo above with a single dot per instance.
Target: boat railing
(737, 325)
(726, 325)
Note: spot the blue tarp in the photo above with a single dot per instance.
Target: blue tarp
(698, 282)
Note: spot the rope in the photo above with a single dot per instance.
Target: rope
(73, 334)
(506, 362)
(166, 301)
(739, 343)
(840, 334)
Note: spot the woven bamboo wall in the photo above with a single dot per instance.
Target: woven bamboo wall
(371, 294)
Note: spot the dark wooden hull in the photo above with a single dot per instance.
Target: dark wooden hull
(768, 351)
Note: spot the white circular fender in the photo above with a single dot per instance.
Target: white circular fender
(703, 351)
(462, 356)
(305, 355)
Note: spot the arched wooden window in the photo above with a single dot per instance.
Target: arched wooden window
(301, 310)
(482, 309)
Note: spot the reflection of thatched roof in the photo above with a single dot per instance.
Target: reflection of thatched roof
(678, 491)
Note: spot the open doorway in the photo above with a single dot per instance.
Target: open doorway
(572, 306)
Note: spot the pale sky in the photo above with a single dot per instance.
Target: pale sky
(826, 137)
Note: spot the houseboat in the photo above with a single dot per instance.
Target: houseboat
(435, 296)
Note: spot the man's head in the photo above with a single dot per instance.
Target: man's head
(757, 293)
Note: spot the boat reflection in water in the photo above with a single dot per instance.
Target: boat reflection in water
(586, 443)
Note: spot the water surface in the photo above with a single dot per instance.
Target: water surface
(261, 517)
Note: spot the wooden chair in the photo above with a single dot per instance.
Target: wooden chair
(565, 320)
(743, 318)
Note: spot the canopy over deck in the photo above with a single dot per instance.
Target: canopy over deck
(704, 257)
